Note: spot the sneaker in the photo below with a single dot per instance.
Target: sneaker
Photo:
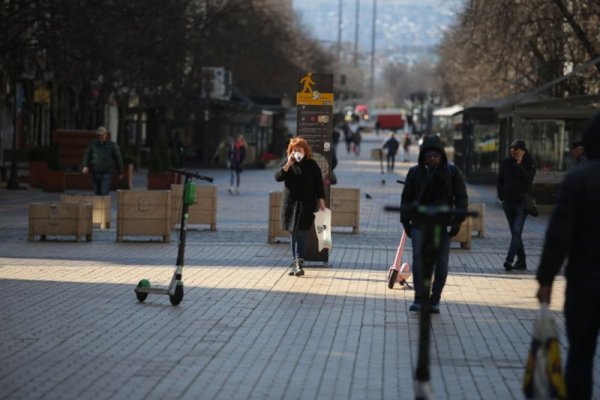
(415, 307)
(298, 271)
(508, 265)
(231, 190)
(520, 264)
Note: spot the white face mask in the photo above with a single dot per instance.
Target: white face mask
(298, 156)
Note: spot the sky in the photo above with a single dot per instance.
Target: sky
(402, 26)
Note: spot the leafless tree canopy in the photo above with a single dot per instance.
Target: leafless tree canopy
(96, 49)
(499, 47)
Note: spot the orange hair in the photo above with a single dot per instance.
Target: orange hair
(300, 142)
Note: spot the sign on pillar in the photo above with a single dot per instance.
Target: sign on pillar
(314, 100)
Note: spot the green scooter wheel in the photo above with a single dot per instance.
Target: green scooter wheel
(176, 298)
(141, 296)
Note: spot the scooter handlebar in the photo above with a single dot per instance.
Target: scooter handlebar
(432, 211)
(192, 174)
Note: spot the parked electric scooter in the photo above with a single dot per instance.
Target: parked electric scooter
(175, 288)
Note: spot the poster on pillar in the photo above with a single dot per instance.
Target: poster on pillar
(314, 101)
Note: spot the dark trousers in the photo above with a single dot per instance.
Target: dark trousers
(440, 268)
(516, 216)
(390, 162)
(582, 314)
(101, 182)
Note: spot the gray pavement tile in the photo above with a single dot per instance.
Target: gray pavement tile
(71, 328)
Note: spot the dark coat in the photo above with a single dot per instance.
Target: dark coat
(391, 145)
(443, 186)
(303, 186)
(236, 156)
(574, 229)
(514, 180)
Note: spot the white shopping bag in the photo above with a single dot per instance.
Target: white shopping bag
(323, 228)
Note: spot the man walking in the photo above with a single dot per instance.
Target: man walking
(574, 233)
(391, 146)
(514, 181)
(100, 158)
(435, 182)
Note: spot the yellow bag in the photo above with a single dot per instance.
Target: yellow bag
(543, 374)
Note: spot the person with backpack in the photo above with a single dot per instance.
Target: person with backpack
(391, 146)
(432, 182)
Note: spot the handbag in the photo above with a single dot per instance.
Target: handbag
(543, 377)
(530, 205)
(323, 229)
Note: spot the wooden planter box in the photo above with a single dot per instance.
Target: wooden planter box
(54, 181)
(202, 212)
(37, 171)
(144, 213)
(60, 219)
(77, 180)
(345, 207)
(478, 224)
(464, 234)
(345, 211)
(101, 207)
(275, 217)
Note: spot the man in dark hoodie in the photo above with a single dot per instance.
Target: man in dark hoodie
(574, 233)
(514, 180)
(433, 181)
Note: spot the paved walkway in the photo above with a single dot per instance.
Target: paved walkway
(71, 328)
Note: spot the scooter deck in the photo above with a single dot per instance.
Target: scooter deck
(153, 290)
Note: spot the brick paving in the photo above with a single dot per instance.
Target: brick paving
(71, 328)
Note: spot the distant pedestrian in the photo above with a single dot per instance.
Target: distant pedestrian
(574, 234)
(433, 181)
(101, 158)
(236, 155)
(391, 146)
(578, 152)
(303, 194)
(515, 179)
(406, 147)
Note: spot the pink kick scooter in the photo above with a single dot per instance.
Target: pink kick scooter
(399, 272)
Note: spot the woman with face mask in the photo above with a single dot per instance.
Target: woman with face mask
(303, 194)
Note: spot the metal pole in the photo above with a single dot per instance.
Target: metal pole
(339, 39)
(372, 88)
(356, 15)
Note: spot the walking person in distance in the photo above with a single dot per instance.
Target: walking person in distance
(101, 157)
(515, 179)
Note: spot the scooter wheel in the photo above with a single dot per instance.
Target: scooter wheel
(392, 278)
(141, 296)
(178, 296)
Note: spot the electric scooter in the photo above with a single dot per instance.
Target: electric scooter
(175, 288)
(399, 272)
(435, 218)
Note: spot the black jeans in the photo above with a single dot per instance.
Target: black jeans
(516, 216)
(582, 314)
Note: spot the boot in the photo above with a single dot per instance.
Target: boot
(298, 271)
(292, 271)
(434, 304)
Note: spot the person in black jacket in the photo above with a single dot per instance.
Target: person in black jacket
(303, 194)
(433, 181)
(574, 233)
(514, 180)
